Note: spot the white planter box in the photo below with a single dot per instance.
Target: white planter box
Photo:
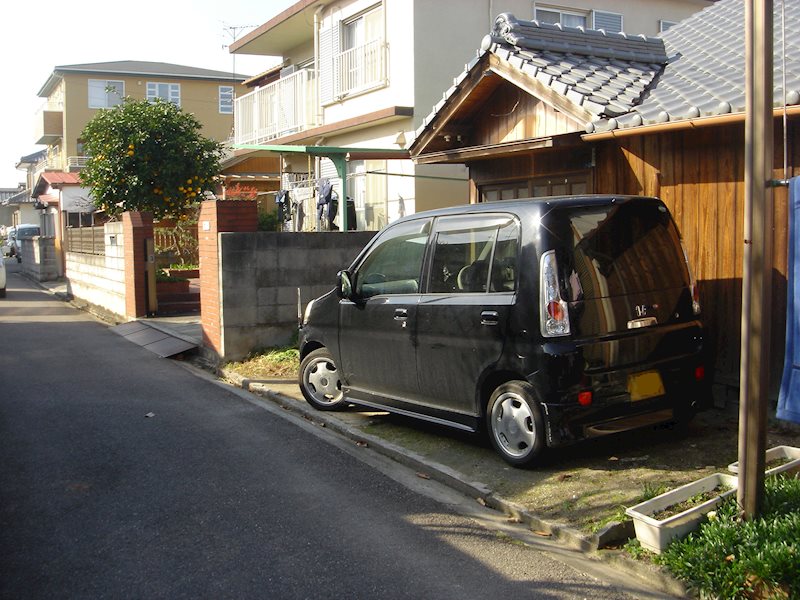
(655, 535)
(788, 452)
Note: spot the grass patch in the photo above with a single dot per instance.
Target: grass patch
(730, 558)
(271, 363)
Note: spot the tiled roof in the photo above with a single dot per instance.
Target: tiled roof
(706, 70)
(604, 73)
(694, 69)
(139, 68)
(21, 197)
(58, 177)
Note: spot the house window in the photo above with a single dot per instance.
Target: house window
(366, 186)
(557, 16)
(664, 25)
(104, 93)
(608, 22)
(169, 92)
(226, 99)
(352, 56)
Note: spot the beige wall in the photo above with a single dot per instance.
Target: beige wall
(197, 97)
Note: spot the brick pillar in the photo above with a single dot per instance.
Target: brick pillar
(136, 227)
(218, 216)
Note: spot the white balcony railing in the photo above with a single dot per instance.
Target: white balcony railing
(51, 163)
(75, 163)
(361, 68)
(279, 109)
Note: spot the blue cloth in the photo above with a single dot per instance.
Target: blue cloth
(789, 397)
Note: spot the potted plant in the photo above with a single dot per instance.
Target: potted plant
(779, 460)
(677, 512)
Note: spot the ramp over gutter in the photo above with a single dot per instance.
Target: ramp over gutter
(154, 339)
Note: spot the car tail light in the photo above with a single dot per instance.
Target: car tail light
(585, 398)
(554, 316)
(692, 284)
(695, 296)
(700, 373)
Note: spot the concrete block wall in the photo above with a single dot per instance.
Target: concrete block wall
(39, 258)
(100, 280)
(260, 274)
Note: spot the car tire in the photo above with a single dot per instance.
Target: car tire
(320, 382)
(515, 424)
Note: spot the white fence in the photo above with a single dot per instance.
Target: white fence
(281, 108)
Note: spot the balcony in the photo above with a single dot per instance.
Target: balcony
(360, 69)
(49, 123)
(76, 163)
(279, 109)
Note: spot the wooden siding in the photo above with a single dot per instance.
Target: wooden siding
(700, 175)
(511, 115)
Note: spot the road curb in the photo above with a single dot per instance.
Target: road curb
(565, 536)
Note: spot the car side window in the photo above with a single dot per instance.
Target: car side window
(394, 265)
(474, 255)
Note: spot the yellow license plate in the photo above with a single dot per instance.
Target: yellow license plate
(645, 385)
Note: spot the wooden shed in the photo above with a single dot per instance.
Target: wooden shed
(545, 110)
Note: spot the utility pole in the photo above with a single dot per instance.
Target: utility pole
(757, 266)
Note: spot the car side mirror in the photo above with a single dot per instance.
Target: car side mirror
(344, 285)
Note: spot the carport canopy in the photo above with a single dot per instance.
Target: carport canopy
(339, 156)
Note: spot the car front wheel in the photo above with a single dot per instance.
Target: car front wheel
(515, 423)
(319, 381)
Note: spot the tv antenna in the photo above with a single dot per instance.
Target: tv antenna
(233, 31)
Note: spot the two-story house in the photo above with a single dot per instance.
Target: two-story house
(358, 76)
(74, 94)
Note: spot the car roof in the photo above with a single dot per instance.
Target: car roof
(526, 206)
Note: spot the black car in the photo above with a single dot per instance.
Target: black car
(547, 320)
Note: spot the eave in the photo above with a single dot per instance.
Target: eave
(506, 149)
(683, 124)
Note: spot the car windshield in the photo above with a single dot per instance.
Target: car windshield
(621, 249)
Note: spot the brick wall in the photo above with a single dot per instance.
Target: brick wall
(217, 217)
(136, 227)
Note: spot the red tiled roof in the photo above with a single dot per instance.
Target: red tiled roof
(57, 177)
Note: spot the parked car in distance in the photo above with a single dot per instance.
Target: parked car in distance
(19, 233)
(2, 277)
(546, 321)
(8, 248)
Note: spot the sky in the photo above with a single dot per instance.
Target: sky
(47, 33)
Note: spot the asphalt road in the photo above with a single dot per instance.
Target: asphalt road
(213, 496)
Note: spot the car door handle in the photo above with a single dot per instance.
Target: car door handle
(400, 314)
(490, 317)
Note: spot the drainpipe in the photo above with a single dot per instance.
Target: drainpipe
(317, 97)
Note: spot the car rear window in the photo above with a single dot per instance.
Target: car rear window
(620, 249)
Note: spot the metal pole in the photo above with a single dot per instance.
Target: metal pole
(757, 267)
(341, 169)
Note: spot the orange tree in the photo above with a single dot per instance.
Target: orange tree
(148, 156)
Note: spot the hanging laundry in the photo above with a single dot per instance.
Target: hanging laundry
(789, 397)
